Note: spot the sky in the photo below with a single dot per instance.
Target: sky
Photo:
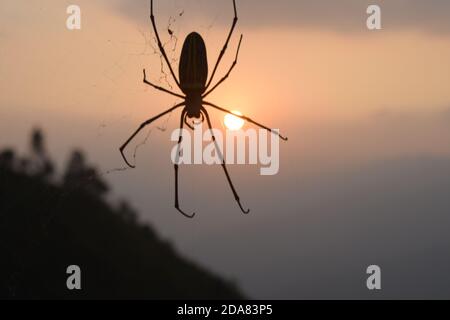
(363, 178)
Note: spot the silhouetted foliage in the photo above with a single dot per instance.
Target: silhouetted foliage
(46, 226)
(37, 142)
(127, 212)
(80, 175)
(39, 163)
(7, 158)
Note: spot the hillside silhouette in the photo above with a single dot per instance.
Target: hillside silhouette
(49, 222)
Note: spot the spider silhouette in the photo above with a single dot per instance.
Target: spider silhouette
(195, 86)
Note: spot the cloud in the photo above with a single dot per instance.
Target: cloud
(331, 15)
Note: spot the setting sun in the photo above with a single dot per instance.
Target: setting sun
(232, 122)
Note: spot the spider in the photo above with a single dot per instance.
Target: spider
(195, 86)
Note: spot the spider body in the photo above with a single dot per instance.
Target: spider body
(195, 85)
(193, 73)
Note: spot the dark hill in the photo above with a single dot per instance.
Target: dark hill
(47, 226)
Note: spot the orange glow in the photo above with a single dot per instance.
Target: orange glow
(232, 122)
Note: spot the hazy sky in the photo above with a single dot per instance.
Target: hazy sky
(343, 15)
(363, 178)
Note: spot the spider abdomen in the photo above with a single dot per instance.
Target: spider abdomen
(193, 68)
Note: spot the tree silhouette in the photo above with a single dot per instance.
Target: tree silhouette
(39, 164)
(80, 175)
(7, 159)
(127, 212)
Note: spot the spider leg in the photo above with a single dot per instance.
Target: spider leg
(161, 88)
(236, 196)
(222, 52)
(142, 126)
(177, 205)
(160, 45)
(229, 71)
(246, 119)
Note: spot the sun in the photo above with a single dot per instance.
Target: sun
(232, 122)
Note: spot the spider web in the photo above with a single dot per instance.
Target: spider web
(150, 48)
(170, 32)
(162, 128)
